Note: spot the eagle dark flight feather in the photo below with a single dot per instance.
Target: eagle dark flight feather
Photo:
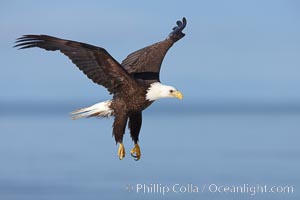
(145, 63)
(94, 61)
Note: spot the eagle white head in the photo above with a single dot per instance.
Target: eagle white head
(158, 91)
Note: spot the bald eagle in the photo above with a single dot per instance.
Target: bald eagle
(134, 83)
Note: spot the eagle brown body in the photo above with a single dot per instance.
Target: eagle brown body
(134, 83)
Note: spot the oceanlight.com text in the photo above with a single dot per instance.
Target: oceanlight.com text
(176, 188)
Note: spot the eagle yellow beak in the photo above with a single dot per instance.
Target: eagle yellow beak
(178, 95)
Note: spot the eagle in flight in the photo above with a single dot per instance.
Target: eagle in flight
(134, 83)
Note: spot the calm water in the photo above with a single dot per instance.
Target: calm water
(45, 155)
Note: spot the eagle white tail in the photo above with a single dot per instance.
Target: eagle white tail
(101, 109)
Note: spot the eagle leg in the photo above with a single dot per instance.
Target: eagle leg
(121, 151)
(136, 152)
(118, 131)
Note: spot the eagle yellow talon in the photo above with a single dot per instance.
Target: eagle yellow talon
(121, 151)
(136, 152)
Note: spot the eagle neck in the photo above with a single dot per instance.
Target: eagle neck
(154, 91)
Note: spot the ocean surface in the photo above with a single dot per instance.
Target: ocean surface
(188, 153)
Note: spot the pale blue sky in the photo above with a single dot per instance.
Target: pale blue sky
(233, 50)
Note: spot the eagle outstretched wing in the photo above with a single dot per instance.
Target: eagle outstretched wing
(145, 63)
(94, 61)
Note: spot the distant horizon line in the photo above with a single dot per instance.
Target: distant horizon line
(175, 107)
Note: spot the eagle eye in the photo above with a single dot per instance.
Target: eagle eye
(171, 91)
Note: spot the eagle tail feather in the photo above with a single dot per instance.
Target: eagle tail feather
(101, 109)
